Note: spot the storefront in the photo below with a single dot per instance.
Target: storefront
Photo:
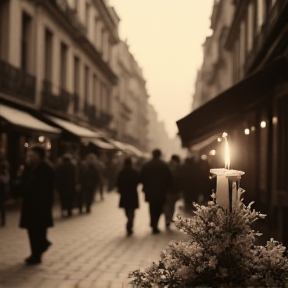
(254, 114)
(19, 130)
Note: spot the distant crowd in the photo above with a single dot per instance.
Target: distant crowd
(77, 182)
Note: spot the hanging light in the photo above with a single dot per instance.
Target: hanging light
(26, 144)
(253, 128)
(247, 131)
(41, 139)
(263, 124)
(212, 152)
(204, 157)
(219, 139)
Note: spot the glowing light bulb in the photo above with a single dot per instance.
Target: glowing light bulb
(247, 131)
(263, 124)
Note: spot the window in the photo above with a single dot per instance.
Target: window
(63, 65)
(260, 14)
(86, 87)
(94, 93)
(103, 41)
(76, 75)
(48, 55)
(25, 41)
(250, 34)
(95, 31)
(76, 5)
(87, 14)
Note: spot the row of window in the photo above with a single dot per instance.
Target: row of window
(256, 15)
(100, 95)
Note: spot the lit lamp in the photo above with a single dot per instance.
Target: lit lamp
(224, 175)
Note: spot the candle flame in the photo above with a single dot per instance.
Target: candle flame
(227, 151)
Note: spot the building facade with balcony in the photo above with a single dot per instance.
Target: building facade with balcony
(215, 74)
(253, 110)
(130, 100)
(57, 58)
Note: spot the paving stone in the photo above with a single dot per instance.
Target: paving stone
(88, 251)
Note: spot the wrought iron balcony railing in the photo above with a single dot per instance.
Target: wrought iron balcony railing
(16, 82)
(71, 15)
(58, 103)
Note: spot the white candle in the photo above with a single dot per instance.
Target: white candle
(222, 188)
(223, 177)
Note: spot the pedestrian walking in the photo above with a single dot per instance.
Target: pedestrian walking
(157, 181)
(4, 189)
(66, 182)
(37, 200)
(102, 171)
(173, 194)
(89, 180)
(127, 183)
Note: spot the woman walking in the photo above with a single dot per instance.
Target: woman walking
(127, 183)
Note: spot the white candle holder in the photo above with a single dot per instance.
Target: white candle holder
(222, 190)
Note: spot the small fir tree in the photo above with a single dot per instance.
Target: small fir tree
(221, 253)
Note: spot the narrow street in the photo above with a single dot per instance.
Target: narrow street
(88, 251)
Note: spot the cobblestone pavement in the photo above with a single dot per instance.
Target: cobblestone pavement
(88, 251)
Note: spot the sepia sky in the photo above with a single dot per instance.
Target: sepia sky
(166, 37)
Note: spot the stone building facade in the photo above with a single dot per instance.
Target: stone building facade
(130, 100)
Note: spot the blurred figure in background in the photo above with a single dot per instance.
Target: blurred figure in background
(113, 170)
(4, 189)
(204, 183)
(127, 183)
(157, 182)
(189, 182)
(102, 176)
(66, 182)
(89, 180)
(37, 200)
(174, 194)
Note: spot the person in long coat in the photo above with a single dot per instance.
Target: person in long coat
(174, 194)
(157, 181)
(37, 200)
(127, 183)
(66, 182)
(89, 180)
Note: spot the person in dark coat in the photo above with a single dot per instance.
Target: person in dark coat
(157, 181)
(37, 201)
(4, 188)
(174, 194)
(127, 183)
(66, 182)
(89, 180)
(190, 182)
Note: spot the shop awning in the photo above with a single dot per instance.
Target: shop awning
(222, 111)
(133, 150)
(101, 144)
(73, 128)
(118, 145)
(25, 120)
(127, 148)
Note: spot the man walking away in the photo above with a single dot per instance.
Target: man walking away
(89, 180)
(157, 181)
(173, 194)
(37, 201)
(127, 183)
(66, 182)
